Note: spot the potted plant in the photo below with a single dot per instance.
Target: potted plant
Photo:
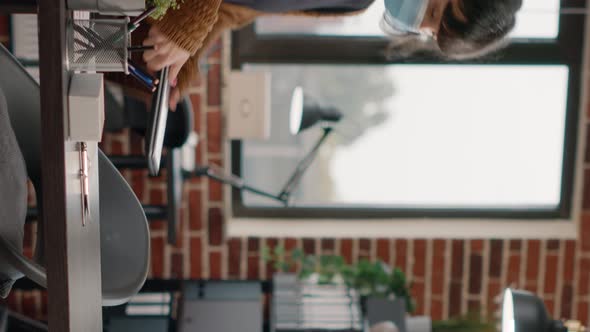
(378, 285)
(162, 6)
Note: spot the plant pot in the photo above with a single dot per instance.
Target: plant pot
(380, 309)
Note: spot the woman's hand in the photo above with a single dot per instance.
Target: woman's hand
(165, 53)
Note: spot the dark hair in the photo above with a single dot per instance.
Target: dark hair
(484, 30)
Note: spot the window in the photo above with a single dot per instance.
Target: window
(420, 138)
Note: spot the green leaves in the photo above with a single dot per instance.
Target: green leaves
(368, 278)
(162, 6)
(469, 323)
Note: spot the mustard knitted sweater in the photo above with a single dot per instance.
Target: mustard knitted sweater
(198, 23)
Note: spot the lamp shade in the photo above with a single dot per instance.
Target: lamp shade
(522, 311)
(306, 112)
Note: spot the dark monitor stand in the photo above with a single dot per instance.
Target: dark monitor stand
(157, 124)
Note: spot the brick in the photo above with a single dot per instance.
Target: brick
(496, 249)
(477, 246)
(195, 210)
(494, 291)
(328, 244)
(29, 305)
(196, 104)
(585, 226)
(383, 251)
(584, 280)
(586, 195)
(177, 266)
(531, 286)
(215, 265)
(215, 191)
(116, 148)
(234, 261)
(44, 301)
(551, 274)
(475, 273)
(196, 258)
(214, 85)
(457, 260)
(455, 298)
(582, 308)
(14, 301)
(253, 245)
(419, 269)
(4, 26)
(436, 310)
(309, 247)
(567, 299)
(533, 260)
(215, 227)
(418, 292)
(568, 266)
(365, 244)
(550, 306)
(136, 143)
(346, 250)
(158, 225)
(28, 236)
(179, 242)
(214, 132)
(515, 245)
(138, 180)
(253, 270)
(401, 254)
(438, 267)
(513, 275)
(157, 257)
(552, 245)
(290, 244)
(157, 197)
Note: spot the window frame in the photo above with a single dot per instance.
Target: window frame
(567, 49)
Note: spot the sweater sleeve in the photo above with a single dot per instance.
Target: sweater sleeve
(189, 25)
(229, 17)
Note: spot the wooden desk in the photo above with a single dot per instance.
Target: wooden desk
(72, 250)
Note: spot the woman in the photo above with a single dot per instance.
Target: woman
(457, 29)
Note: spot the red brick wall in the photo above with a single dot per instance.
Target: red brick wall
(450, 276)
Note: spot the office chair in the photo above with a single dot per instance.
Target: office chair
(133, 114)
(123, 225)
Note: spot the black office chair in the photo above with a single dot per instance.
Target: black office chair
(124, 233)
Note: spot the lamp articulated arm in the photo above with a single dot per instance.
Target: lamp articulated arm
(288, 188)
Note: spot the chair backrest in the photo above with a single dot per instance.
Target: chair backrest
(123, 224)
(13, 196)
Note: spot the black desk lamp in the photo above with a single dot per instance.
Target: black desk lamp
(305, 113)
(522, 311)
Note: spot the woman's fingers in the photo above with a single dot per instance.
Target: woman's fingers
(174, 98)
(160, 62)
(174, 70)
(160, 49)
